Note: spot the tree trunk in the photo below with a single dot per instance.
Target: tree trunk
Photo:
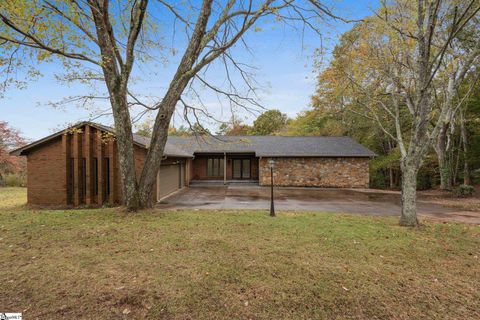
(466, 167)
(409, 195)
(391, 177)
(125, 151)
(443, 161)
(457, 162)
(445, 171)
(157, 147)
(166, 108)
(152, 164)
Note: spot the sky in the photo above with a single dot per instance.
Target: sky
(284, 72)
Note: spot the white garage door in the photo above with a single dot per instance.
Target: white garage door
(168, 180)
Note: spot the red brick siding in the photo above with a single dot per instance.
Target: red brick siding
(48, 169)
(46, 183)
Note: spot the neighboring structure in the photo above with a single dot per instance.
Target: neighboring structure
(79, 165)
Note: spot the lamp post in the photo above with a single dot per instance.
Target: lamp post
(271, 163)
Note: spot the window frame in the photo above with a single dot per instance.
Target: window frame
(218, 167)
(106, 180)
(95, 176)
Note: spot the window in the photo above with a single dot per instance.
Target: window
(241, 168)
(215, 167)
(71, 187)
(84, 178)
(246, 169)
(95, 176)
(107, 176)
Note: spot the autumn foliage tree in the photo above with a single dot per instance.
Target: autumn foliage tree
(391, 68)
(9, 140)
(269, 122)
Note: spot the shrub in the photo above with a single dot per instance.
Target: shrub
(15, 180)
(464, 191)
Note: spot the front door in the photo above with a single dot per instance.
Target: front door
(241, 168)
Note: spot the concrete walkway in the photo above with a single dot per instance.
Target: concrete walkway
(360, 201)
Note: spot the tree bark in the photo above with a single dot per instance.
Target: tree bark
(117, 73)
(157, 144)
(409, 195)
(458, 151)
(443, 163)
(391, 177)
(167, 106)
(466, 168)
(445, 170)
(125, 151)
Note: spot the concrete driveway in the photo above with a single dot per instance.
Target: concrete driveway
(360, 201)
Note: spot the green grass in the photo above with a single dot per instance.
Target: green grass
(96, 264)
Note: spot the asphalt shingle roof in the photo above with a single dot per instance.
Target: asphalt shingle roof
(274, 146)
(261, 146)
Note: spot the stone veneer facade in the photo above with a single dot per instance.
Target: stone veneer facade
(316, 172)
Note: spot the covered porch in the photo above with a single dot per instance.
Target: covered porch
(224, 168)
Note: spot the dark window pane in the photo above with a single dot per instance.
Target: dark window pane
(215, 167)
(237, 169)
(246, 169)
(221, 168)
(95, 176)
(209, 167)
(71, 188)
(107, 176)
(84, 178)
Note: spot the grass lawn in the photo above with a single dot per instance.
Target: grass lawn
(104, 264)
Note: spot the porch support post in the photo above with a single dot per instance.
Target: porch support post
(224, 168)
(187, 172)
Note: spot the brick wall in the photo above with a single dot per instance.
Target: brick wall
(55, 174)
(51, 182)
(46, 183)
(317, 172)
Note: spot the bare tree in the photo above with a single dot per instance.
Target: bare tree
(395, 61)
(412, 84)
(98, 34)
(461, 59)
(464, 135)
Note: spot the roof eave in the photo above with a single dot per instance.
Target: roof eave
(315, 156)
(178, 156)
(19, 151)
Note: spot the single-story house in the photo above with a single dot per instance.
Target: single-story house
(79, 165)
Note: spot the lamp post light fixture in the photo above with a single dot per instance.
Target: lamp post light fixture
(271, 164)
